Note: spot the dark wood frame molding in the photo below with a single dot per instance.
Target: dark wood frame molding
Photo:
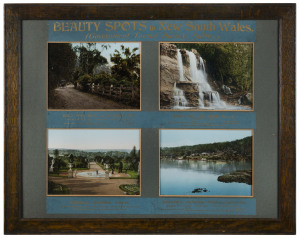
(16, 13)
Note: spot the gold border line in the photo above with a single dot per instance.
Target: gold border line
(192, 109)
(222, 196)
(83, 195)
(99, 42)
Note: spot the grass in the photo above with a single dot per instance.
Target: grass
(130, 189)
(56, 188)
(133, 174)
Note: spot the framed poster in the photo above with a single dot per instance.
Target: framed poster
(158, 119)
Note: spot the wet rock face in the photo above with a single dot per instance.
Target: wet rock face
(166, 99)
(246, 99)
(169, 74)
(185, 58)
(196, 53)
(191, 93)
(169, 50)
(249, 97)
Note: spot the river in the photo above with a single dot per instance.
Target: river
(182, 177)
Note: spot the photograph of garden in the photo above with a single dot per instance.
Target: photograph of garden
(94, 76)
(206, 162)
(206, 76)
(95, 162)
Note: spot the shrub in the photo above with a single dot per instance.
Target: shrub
(102, 78)
(85, 81)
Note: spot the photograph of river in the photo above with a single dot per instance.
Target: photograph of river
(94, 76)
(206, 76)
(206, 162)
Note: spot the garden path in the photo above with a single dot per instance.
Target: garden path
(70, 98)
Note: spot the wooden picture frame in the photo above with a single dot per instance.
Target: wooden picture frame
(285, 14)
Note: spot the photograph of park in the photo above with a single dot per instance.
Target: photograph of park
(94, 76)
(206, 162)
(93, 162)
(206, 76)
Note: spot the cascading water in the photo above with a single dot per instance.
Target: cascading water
(205, 91)
(202, 66)
(208, 98)
(179, 98)
(180, 65)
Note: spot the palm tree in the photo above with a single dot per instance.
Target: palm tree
(127, 67)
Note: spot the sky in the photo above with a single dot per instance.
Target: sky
(113, 46)
(173, 138)
(87, 139)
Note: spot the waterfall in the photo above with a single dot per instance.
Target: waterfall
(179, 98)
(202, 66)
(180, 65)
(208, 98)
(199, 77)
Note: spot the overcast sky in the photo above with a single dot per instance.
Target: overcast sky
(87, 139)
(112, 47)
(173, 138)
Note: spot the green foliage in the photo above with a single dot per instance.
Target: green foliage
(120, 167)
(133, 174)
(229, 64)
(56, 154)
(117, 158)
(61, 63)
(126, 66)
(76, 74)
(55, 188)
(71, 158)
(80, 162)
(130, 189)
(242, 147)
(133, 159)
(102, 79)
(49, 161)
(59, 164)
(89, 57)
(85, 81)
(113, 81)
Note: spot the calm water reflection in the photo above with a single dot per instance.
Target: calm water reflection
(181, 177)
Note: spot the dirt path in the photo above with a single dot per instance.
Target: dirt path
(95, 166)
(93, 186)
(71, 98)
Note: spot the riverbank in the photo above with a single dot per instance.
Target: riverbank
(217, 157)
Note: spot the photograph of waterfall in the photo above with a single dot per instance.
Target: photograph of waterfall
(206, 76)
(206, 162)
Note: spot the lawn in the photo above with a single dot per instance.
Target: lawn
(55, 188)
(130, 189)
